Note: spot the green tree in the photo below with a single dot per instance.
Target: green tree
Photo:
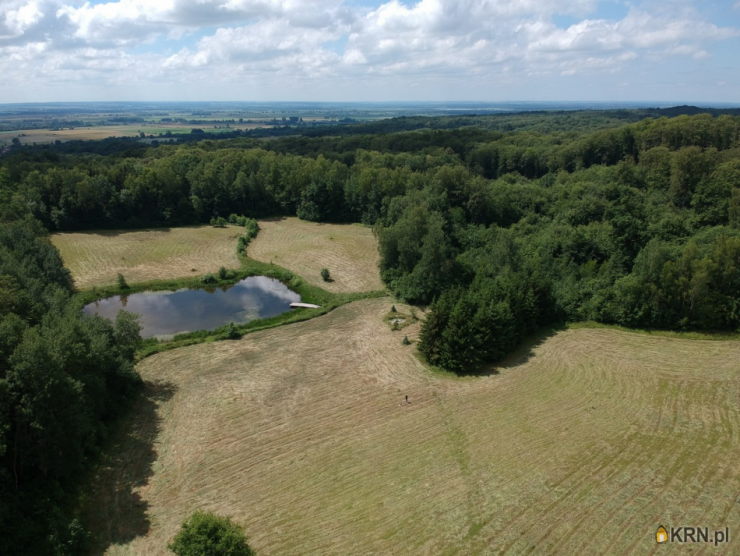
(206, 534)
(325, 275)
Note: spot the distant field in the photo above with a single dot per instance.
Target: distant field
(96, 258)
(349, 251)
(105, 131)
(583, 444)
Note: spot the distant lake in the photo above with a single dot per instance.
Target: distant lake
(166, 313)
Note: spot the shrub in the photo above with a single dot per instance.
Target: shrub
(208, 278)
(232, 333)
(406, 341)
(241, 245)
(122, 282)
(237, 220)
(206, 534)
(251, 229)
(325, 274)
(393, 309)
(223, 274)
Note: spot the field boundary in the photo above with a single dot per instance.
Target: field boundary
(717, 336)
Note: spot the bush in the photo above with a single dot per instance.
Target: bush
(206, 534)
(393, 309)
(208, 279)
(325, 274)
(122, 282)
(238, 220)
(223, 274)
(251, 229)
(406, 341)
(232, 333)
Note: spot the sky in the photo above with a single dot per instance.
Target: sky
(358, 50)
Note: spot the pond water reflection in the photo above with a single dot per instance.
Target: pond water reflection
(166, 313)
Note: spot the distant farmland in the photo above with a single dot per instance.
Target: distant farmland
(348, 251)
(96, 258)
(39, 136)
(583, 443)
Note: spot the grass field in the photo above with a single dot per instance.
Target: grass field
(40, 136)
(96, 258)
(349, 251)
(584, 442)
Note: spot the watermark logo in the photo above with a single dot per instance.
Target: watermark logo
(661, 535)
(684, 535)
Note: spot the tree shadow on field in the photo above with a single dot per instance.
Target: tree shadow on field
(115, 511)
(122, 231)
(522, 354)
(274, 219)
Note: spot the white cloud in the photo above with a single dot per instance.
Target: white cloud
(637, 30)
(495, 40)
(20, 19)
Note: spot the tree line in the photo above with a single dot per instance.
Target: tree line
(64, 378)
(634, 224)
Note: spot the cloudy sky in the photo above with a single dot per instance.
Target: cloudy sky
(364, 50)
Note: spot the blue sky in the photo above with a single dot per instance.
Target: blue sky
(334, 50)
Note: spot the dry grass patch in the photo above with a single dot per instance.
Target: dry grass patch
(95, 258)
(583, 444)
(349, 251)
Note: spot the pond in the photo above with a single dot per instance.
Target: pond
(165, 313)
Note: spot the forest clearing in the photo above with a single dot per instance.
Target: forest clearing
(525, 342)
(95, 258)
(583, 441)
(349, 251)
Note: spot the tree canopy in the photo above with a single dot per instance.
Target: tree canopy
(63, 378)
(206, 534)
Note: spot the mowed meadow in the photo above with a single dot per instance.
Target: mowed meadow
(584, 442)
(96, 258)
(348, 251)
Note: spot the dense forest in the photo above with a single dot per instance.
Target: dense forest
(64, 378)
(499, 232)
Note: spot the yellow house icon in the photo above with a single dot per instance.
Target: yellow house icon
(661, 535)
